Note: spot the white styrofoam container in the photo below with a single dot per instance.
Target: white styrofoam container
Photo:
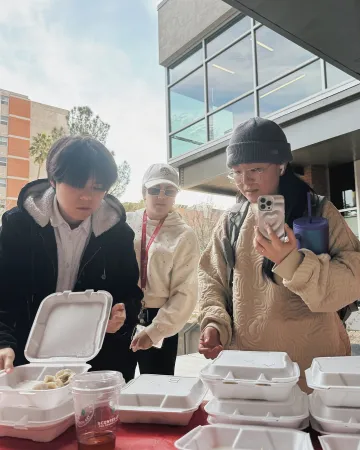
(292, 413)
(340, 442)
(161, 399)
(244, 375)
(336, 379)
(36, 424)
(334, 420)
(227, 437)
(68, 330)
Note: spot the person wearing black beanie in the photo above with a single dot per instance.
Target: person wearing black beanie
(281, 298)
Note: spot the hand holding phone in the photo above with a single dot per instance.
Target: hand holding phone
(271, 213)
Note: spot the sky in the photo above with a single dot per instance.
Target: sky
(101, 54)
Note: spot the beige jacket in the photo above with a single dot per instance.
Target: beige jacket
(172, 284)
(298, 313)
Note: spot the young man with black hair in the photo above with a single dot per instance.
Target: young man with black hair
(67, 233)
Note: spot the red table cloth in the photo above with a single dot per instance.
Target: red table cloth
(129, 437)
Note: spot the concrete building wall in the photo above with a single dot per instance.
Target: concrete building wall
(182, 23)
(44, 118)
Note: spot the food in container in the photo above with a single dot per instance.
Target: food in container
(68, 330)
(246, 375)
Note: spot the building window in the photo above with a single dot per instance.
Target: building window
(335, 76)
(230, 74)
(290, 89)
(187, 102)
(189, 139)
(4, 100)
(4, 120)
(3, 162)
(3, 140)
(243, 70)
(2, 182)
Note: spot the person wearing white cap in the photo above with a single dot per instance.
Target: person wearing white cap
(168, 254)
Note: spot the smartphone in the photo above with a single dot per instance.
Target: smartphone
(272, 212)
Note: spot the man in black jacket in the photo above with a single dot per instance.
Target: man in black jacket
(67, 234)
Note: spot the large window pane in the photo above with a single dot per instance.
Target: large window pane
(186, 66)
(224, 38)
(276, 55)
(224, 121)
(290, 89)
(230, 74)
(189, 139)
(187, 100)
(335, 76)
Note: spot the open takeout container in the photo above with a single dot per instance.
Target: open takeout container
(246, 375)
(293, 413)
(243, 438)
(340, 442)
(68, 331)
(336, 380)
(34, 423)
(161, 399)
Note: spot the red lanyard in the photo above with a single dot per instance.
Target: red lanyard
(145, 248)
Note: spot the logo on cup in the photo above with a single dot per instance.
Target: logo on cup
(85, 416)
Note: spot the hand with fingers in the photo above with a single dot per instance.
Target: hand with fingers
(275, 249)
(7, 356)
(141, 341)
(117, 318)
(210, 345)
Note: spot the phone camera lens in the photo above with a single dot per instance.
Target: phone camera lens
(262, 200)
(262, 206)
(269, 203)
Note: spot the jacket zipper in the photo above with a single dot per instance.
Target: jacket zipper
(87, 262)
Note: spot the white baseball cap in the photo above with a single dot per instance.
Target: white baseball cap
(160, 174)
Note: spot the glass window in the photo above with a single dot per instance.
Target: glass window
(230, 74)
(187, 100)
(4, 100)
(3, 182)
(189, 139)
(3, 161)
(186, 66)
(226, 37)
(335, 76)
(225, 120)
(4, 120)
(290, 89)
(277, 55)
(3, 140)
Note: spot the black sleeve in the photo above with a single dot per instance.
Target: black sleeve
(13, 279)
(130, 293)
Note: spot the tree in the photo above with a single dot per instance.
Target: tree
(202, 219)
(82, 121)
(134, 206)
(41, 145)
(124, 171)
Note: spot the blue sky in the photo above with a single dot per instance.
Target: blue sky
(67, 53)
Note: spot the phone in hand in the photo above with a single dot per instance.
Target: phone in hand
(272, 213)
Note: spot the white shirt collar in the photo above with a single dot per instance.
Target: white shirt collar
(57, 219)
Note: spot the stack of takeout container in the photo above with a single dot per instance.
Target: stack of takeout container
(335, 403)
(161, 399)
(255, 388)
(68, 331)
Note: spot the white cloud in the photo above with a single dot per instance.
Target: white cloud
(41, 61)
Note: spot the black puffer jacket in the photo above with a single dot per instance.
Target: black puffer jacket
(28, 270)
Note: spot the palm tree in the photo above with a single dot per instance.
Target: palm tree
(40, 148)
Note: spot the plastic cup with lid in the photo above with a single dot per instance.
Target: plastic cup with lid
(96, 399)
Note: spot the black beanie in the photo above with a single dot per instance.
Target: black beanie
(258, 141)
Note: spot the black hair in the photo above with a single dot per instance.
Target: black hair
(75, 159)
(295, 191)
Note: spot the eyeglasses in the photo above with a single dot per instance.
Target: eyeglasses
(155, 191)
(253, 174)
